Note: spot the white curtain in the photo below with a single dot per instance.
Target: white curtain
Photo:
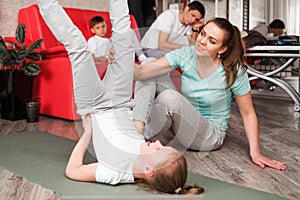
(293, 17)
(286, 10)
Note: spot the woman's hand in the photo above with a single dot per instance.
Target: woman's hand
(263, 162)
(251, 128)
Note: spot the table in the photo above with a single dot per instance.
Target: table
(290, 52)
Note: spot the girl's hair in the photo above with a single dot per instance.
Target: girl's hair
(170, 179)
(234, 57)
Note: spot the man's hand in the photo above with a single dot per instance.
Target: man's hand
(198, 25)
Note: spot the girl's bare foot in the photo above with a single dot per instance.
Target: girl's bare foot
(140, 126)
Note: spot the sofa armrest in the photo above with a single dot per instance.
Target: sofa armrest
(53, 50)
(11, 41)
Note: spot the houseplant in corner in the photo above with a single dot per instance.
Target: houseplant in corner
(18, 70)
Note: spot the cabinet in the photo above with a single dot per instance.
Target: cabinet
(144, 11)
(163, 5)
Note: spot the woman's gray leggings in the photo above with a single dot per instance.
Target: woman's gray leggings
(146, 91)
(174, 121)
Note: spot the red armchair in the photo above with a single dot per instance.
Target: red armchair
(54, 85)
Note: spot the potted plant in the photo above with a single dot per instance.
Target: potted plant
(18, 68)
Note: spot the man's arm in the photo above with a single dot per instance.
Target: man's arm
(164, 44)
(192, 38)
(197, 27)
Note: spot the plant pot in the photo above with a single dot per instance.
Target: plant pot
(32, 111)
(15, 91)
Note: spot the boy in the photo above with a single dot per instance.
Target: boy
(100, 45)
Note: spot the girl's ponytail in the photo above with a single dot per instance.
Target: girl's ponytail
(189, 190)
(170, 179)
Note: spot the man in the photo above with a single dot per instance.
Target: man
(261, 33)
(275, 28)
(168, 30)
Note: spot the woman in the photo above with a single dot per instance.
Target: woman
(123, 155)
(213, 71)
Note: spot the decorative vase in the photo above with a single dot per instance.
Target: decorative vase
(32, 111)
(15, 91)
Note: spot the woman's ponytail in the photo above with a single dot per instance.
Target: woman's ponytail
(234, 57)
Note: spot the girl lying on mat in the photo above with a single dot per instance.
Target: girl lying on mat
(123, 155)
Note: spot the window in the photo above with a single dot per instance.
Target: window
(245, 15)
(287, 11)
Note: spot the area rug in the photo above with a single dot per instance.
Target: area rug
(41, 158)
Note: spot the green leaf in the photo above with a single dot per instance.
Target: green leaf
(3, 50)
(9, 62)
(32, 69)
(15, 57)
(34, 56)
(35, 45)
(13, 53)
(21, 54)
(24, 65)
(2, 43)
(20, 33)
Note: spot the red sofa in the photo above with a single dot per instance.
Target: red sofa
(54, 85)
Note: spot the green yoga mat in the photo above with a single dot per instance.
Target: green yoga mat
(41, 158)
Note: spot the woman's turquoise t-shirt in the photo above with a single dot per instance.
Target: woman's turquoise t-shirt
(207, 95)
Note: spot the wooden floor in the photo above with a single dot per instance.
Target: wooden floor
(279, 134)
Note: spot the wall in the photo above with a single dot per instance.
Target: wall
(235, 13)
(9, 11)
(257, 14)
(257, 11)
(209, 7)
(286, 10)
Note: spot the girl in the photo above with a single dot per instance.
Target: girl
(123, 155)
